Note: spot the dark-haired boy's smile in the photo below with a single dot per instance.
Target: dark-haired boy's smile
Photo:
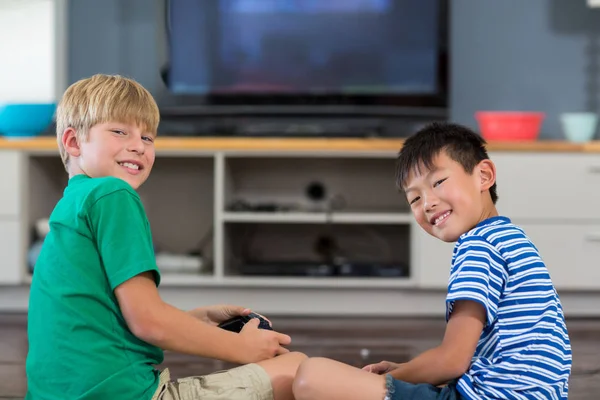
(440, 218)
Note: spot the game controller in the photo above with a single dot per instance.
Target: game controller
(236, 324)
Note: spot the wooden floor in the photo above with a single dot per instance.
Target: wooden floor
(354, 341)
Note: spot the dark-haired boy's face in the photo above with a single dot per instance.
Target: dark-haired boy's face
(446, 201)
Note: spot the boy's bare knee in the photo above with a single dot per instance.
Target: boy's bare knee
(311, 373)
(283, 368)
(287, 364)
(296, 357)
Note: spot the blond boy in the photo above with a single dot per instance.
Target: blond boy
(97, 325)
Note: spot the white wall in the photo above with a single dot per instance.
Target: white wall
(31, 50)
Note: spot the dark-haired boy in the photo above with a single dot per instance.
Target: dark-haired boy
(506, 336)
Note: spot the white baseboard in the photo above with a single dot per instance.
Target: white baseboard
(317, 302)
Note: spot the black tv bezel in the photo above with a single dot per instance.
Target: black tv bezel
(318, 104)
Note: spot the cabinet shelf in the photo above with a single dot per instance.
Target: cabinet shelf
(308, 217)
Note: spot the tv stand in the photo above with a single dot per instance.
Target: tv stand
(212, 110)
(296, 121)
(195, 182)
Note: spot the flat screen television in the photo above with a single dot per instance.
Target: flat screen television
(308, 53)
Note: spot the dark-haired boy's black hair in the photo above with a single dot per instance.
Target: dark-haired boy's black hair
(460, 143)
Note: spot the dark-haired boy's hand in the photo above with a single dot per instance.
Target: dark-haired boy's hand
(382, 367)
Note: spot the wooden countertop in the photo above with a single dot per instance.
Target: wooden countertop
(300, 144)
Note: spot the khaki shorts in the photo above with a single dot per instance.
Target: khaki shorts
(248, 382)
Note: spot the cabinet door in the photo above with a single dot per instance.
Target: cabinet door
(571, 253)
(431, 259)
(533, 186)
(12, 262)
(11, 180)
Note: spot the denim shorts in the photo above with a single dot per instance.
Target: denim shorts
(398, 390)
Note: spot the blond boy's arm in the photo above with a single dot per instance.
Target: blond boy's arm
(453, 357)
(158, 323)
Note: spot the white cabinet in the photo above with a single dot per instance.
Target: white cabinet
(571, 253)
(548, 186)
(217, 204)
(555, 198)
(11, 182)
(431, 259)
(11, 251)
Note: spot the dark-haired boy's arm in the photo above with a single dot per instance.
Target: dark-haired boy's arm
(452, 358)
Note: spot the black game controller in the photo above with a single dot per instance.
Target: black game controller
(236, 324)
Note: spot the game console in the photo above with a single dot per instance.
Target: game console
(236, 324)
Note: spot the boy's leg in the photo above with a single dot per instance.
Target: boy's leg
(324, 379)
(282, 370)
(267, 380)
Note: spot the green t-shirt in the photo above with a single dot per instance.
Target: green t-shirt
(79, 344)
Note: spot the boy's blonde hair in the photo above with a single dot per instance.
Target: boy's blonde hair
(103, 98)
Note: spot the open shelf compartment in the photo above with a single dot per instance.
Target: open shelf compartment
(311, 252)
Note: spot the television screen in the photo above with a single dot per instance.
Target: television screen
(310, 47)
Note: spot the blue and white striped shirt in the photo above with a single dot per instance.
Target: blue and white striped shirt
(524, 351)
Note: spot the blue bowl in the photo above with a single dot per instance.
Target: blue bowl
(25, 120)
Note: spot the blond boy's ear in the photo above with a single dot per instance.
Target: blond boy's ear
(487, 174)
(71, 143)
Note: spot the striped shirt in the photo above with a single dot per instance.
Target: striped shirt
(524, 351)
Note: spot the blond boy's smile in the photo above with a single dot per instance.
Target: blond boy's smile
(131, 166)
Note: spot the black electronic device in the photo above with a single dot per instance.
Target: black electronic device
(236, 324)
(305, 68)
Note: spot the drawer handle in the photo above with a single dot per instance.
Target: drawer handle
(593, 237)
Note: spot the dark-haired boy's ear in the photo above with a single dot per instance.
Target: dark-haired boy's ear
(487, 174)
(70, 142)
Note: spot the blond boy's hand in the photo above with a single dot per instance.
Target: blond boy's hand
(214, 315)
(262, 344)
(382, 367)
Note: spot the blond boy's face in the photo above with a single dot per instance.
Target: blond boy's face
(117, 149)
(446, 201)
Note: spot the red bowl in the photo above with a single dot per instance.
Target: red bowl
(509, 126)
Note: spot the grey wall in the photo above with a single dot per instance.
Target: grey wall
(117, 37)
(526, 55)
(541, 55)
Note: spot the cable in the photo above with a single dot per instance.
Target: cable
(165, 69)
